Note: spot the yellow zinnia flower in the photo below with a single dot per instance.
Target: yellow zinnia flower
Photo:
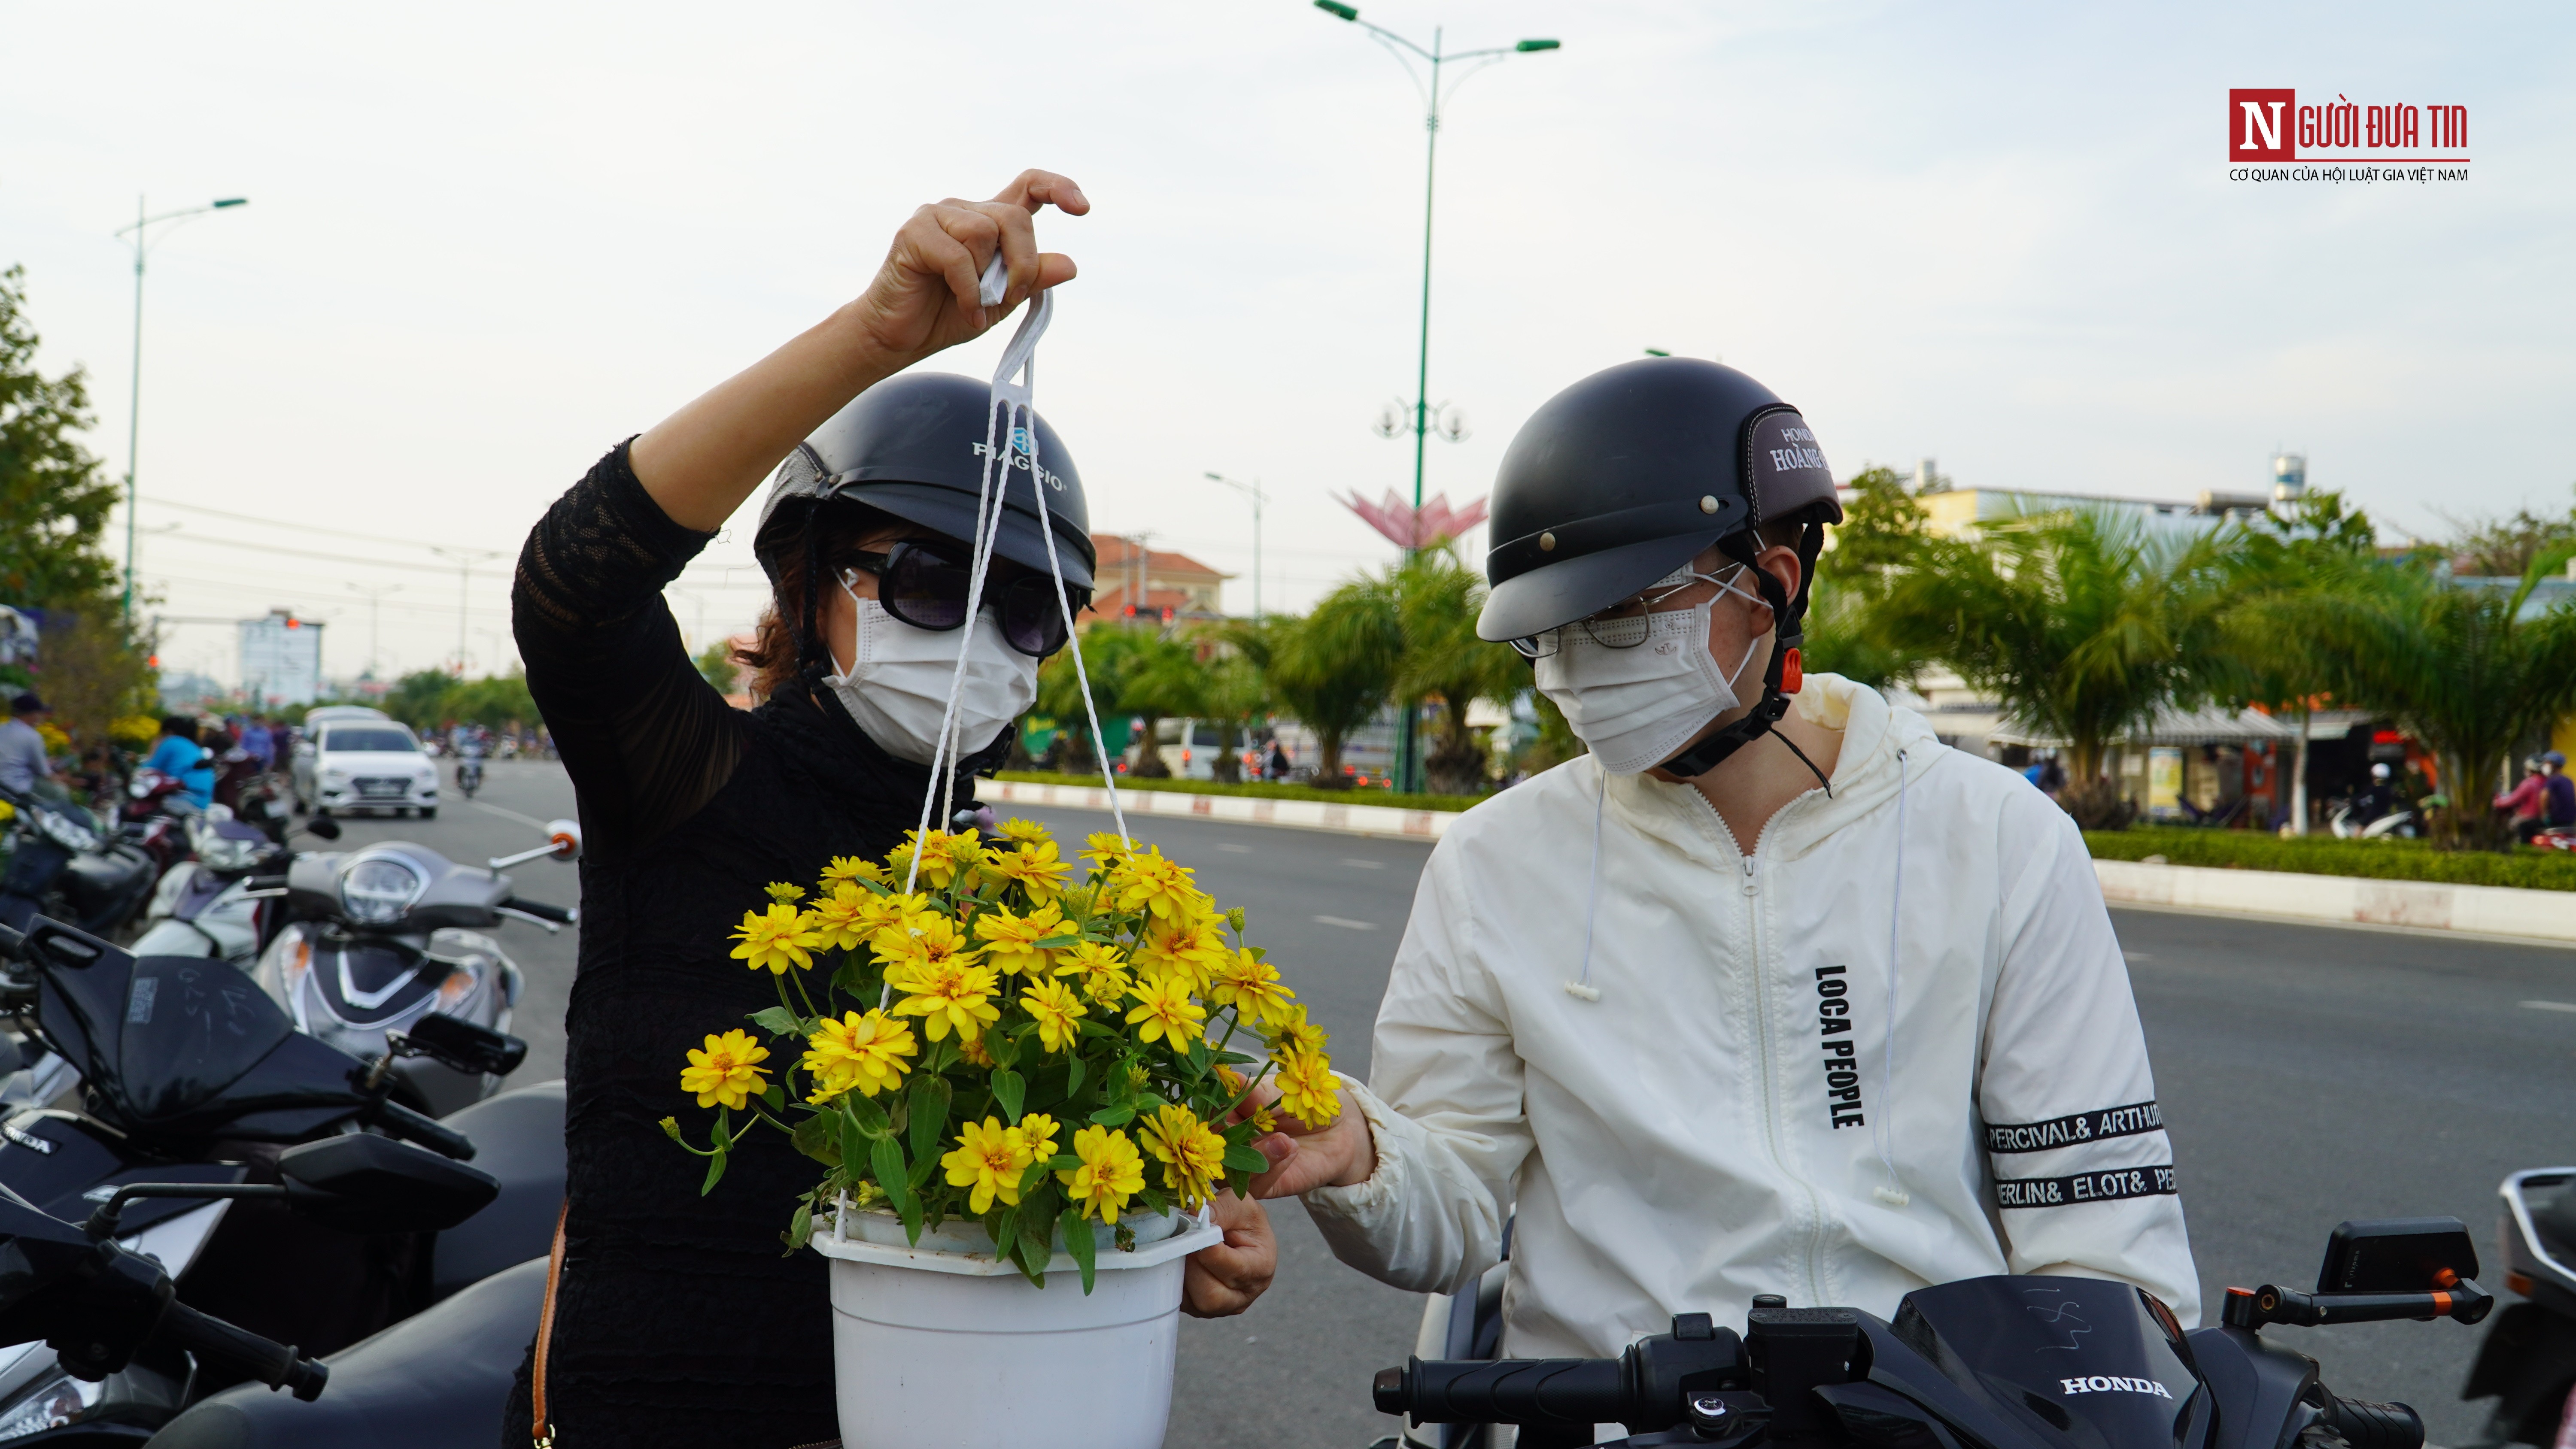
(1012, 941)
(723, 1074)
(1153, 884)
(1112, 1171)
(778, 938)
(950, 992)
(1103, 849)
(989, 1159)
(1027, 832)
(1033, 868)
(846, 868)
(1251, 986)
(1308, 1090)
(783, 893)
(846, 918)
(938, 867)
(1193, 1157)
(1037, 1135)
(1289, 1032)
(1164, 1008)
(1056, 1010)
(1191, 948)
(865, 1052)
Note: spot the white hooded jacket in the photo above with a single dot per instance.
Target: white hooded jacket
(1726, 1118)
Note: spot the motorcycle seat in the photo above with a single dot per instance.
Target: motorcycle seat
(518, 1137)
(435, 1380)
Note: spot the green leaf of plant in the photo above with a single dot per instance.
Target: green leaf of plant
(1245, 1159)
(867, 1116)
(1035, 1251)
(715, 1172)
(800, 1228)
(885, 1156)
(910, 1211)
(777, 1021)
(1073, 1078)
(1005, 1049)
(1056, 943)
(1117, 1116)
(922, 1168)
(1008, 1093)
(776, 1097)
(1232, 1059)
(1063, 1162)
(1198, 1058)
(818, 1137)
(929, 1114)
(1034, 1174)
(1078, 1242)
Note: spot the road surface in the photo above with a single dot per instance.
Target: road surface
(2308, 1074)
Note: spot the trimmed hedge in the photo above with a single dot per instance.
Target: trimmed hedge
(1363, 796)
(2525, 868)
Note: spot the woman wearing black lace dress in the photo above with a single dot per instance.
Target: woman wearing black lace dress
(678, 1319)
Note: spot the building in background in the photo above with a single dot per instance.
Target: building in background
(281, 659)
(1135, 581)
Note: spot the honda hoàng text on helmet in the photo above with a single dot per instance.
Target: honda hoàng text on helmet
(1619, 481)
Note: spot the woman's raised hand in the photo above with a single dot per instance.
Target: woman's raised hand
(702, 461)
(925, 297)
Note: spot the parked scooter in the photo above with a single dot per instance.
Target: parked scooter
(2528, 1362)
(2005, 1362)
(372, 942)
(258, 1166)
(63, 865)
(219, 904)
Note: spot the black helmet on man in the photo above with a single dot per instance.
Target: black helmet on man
(1630, 473)
(914, 446)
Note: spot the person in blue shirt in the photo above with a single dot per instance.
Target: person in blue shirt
(181, 757)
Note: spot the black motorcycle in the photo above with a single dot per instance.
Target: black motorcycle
(1985, 1363)
(2528, 1362)
(63, 865)
(221, 1161)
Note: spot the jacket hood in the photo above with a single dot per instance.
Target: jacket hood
(1866, 774)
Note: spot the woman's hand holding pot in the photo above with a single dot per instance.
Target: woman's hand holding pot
(1222, 1281)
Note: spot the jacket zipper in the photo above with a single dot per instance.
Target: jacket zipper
(1762, 1010)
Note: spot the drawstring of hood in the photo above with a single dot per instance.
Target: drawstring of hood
(1892, 1193)
(1582, 988)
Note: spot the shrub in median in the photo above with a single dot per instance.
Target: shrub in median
(2524, 868)
(1273, 792)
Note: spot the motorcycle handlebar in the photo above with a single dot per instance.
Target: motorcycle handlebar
(409, 1125)
(539, 909)
(2368, 1425)
(273, 1364)
(1528, 1391)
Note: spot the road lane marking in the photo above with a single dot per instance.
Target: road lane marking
(1237, 849)
(1348, 924)
(1355, 863)
(2551, 1005)
(2135, 956)
(529, 821)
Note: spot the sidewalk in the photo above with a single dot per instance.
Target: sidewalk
(2522, 915)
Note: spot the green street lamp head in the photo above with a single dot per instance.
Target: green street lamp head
(1335, 8)
(232, 201)
(1657, 352)
(1528, 47)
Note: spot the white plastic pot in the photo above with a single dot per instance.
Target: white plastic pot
(945, 1343)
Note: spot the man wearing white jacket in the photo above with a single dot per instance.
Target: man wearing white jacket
(1769, 996)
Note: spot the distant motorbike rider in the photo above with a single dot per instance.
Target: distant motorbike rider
(26, 768)
(179, 756)
(1771, 991)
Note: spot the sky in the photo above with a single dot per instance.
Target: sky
(485, 242)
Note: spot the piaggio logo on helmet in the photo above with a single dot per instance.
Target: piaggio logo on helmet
(1019, 457)
(2341, 141)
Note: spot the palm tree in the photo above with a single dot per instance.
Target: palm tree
(2284, 563)
(2470, 672)
(2082, 622)
(1437, 601)
(1334, 669)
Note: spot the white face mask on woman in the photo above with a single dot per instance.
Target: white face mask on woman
(897, 684)
(1634, 707)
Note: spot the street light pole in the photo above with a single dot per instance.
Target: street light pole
(466, 559)
(374, 596)
(1251, 490)
(1408, 758)
(142, 244)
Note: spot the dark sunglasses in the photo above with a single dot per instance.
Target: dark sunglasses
(925, 585)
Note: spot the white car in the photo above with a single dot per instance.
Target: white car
(368, 765)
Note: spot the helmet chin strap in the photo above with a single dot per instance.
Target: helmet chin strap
(1716, 749)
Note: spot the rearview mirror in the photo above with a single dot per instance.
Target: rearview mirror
(461, 1044)
(322, 827)
(371, 1184)
(2397, 1255)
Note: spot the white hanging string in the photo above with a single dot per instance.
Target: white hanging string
(1893, 1193)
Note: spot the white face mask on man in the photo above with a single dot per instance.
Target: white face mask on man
(896, 686)
(1635, 706)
